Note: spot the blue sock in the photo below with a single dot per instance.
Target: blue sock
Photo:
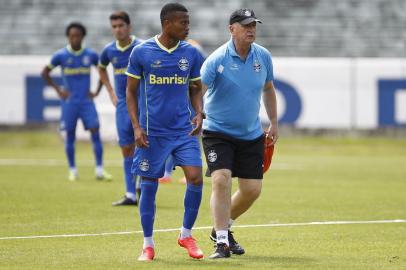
(97, 148)
(128, 176)
(70, 148)
(193, 197)
(147, 205)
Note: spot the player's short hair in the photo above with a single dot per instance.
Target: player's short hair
(120, 15)
(170, 8)
(77, 25)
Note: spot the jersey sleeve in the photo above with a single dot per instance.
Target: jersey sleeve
(208, 70)
(134, 68)
(269, 68)
(56, 60)
(95, 58)
(197, 64)
(104, 58)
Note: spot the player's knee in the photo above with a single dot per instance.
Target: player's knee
(127, 150)
(70, 137)
(195, 179)
(251, 192)
(221, 179)
(94, 130)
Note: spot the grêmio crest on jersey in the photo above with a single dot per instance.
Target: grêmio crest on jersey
(183, 64)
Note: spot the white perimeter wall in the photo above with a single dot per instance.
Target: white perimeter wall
(334, 93)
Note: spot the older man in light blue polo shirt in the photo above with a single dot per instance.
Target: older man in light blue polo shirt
(236, 75)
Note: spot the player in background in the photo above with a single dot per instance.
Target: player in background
(76, 98)
(117, 53)
(169, 166)
(169, 68)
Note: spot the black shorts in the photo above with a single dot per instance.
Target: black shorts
(243, 158)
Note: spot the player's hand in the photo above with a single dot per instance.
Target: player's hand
(92, 95)
(272, 133)
(197, 121)
(141, 139)
(63, 94)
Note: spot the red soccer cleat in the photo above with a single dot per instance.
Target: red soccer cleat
(147, 254)
(189, 243)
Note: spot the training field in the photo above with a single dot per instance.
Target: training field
(47, 222)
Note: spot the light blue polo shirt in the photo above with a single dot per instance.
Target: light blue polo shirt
(233, 98)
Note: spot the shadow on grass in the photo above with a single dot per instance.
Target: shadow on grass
(239, 262)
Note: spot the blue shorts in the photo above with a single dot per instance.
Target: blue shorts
(150, 162)
(124, 127)
(72, 111)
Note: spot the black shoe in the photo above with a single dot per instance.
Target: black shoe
(125, 201)
(222, 251)
(235, 248)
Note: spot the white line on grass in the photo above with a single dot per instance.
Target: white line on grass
(209, 227)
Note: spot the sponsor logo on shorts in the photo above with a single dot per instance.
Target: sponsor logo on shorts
(144, 165)
(212, 156)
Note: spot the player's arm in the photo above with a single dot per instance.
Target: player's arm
(104, 77)
(132, 106)
(98, 89)
(269, 99)
(196, 98)
(47, 77)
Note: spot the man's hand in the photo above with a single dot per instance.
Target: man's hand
(62, 93)
(92, 95)
(197, 121)
(141, 139)
(272, 133)
(113, 98)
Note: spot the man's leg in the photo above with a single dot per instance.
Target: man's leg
(147, 207)
(247, 193)
(186, 153)
(70, 153)
(129, 179)
(167, 178)
(193, 197)
(220, 204)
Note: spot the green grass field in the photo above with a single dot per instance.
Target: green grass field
(311, 179)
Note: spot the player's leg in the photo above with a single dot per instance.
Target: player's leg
(90, 120)
(167, 178)
(147, 206)
(248, 167)
(187, 155)
(248, 191)
(126, 141)
(220, 204)
(219, 152)
(130, 197)
(149, 164)
(68, 123)
(70, 154)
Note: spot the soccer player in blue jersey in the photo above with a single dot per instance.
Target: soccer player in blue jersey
(167, 178)
(168, 67)
(236, 75)
(117, 53)
(77, 100)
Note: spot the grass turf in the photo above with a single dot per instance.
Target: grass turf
(311, 179)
